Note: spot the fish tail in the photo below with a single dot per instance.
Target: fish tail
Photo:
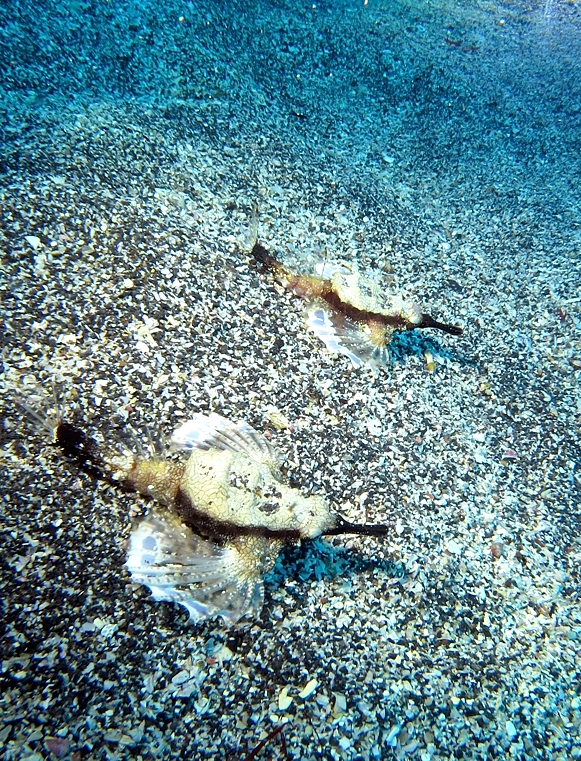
(267, 260)
(155, 477)
(270, 262)
(81, 448)
(47, 414)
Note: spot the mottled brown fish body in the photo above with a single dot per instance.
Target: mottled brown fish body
(355, 297)
(230, 494)
(156, 478)
(309, 286)
(221, 518)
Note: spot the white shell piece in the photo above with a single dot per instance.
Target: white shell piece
(309, 688)
(215, 432)
(206, 578)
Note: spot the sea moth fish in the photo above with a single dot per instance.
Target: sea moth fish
(219, 516)
(348, 311)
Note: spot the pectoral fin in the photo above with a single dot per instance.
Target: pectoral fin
(344, 336)
(208, 579)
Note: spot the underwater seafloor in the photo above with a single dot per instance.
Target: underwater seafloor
(436, 144)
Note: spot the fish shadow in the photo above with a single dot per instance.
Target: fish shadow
(413, 343)
(317, 560)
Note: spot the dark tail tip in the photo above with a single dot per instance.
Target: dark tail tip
(263, 256)
(429, 322)
(82, 448)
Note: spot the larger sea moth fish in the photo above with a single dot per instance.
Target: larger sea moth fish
(348, 311)
(219, 517)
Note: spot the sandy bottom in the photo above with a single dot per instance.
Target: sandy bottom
(436, 147)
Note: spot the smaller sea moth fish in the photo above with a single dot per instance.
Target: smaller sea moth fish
(349, 312)
(219, 518)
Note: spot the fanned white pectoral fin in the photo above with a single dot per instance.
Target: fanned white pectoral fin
(206, 578)
(343, 336)
(215, 431)
(320, 323)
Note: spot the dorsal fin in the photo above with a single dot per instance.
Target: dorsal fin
(214, 431)
(326, 270)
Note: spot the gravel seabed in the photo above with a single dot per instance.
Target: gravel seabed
(437, 146)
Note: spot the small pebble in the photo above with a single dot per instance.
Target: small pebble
(309, 688)
(454, 547)
(511, 731)
(284, 699)
(35, 242)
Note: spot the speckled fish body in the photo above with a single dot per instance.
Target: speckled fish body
(348, 311)
(232, 493)
(363, 342)
(232, 484)
(231, 490)
(364, 294)
(218, 519)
